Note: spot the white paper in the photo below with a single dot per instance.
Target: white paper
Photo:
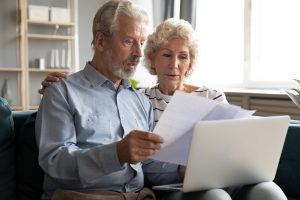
(177, 122)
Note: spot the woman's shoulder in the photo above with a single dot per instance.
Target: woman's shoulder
(190, 88)
(150, 91)
(202, 89)
(210, 93)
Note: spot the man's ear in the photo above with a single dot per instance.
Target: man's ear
(99, 41)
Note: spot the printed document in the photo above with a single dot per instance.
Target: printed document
(177, 122)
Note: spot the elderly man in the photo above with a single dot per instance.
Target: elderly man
(85, 124)
(93, 128)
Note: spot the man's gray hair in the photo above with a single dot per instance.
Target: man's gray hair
(106, 18)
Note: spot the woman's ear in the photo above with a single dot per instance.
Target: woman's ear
(152, 66)
(99, 41)
(189, 71)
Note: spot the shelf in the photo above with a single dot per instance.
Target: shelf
(50, 37)
(10, 69)
(49, 70)
(17, 108)
(33, 107)
(50, 23)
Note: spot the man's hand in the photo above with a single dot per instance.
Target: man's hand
(138, 146)
(51, 78)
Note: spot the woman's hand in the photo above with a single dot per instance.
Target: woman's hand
(181, 170)
(51, 78)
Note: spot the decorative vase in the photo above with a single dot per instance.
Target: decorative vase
(5, 92)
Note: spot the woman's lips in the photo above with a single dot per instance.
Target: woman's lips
(172, 76)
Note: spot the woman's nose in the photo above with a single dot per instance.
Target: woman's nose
(173, 62)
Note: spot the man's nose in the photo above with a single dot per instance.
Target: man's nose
(137, 50)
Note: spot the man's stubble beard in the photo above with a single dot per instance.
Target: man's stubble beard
(119, 70)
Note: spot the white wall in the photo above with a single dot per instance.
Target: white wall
(86, 11)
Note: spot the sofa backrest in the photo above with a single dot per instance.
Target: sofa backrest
(29, 175)
(7, 170)
(21, 177)
(288, 172)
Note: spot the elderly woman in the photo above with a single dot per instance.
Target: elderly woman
(170, 54)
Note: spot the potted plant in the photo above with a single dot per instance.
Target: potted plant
(294, 94)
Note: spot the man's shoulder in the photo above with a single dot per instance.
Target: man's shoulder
(63, 83)
(75, 78)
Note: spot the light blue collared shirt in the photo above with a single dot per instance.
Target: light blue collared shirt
(79, 121)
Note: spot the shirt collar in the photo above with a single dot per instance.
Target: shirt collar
(96, 78)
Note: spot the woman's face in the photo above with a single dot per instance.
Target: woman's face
(171, 62)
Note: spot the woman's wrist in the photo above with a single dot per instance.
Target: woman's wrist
(181, 171)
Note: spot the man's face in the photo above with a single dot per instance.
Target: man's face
(124, 47)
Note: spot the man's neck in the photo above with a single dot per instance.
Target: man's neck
(105, 72)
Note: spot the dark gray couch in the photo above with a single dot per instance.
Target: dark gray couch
(21, 178)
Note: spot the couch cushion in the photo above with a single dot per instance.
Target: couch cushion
(20, 117)
(29, 174)
(7, 169)
(288, 173)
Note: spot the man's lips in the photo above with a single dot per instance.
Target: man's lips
(132, 64)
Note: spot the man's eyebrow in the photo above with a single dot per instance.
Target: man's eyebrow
(128, 37)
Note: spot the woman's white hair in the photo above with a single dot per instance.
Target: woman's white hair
(164, 32)
(106, 18)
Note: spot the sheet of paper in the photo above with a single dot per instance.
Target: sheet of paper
(177, 122)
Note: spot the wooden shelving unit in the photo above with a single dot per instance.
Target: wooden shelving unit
(50, 23)
(50, 37)
(36, 40)
(9, 69)
(49, 70)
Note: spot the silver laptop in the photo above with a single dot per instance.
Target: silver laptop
(226, 153)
